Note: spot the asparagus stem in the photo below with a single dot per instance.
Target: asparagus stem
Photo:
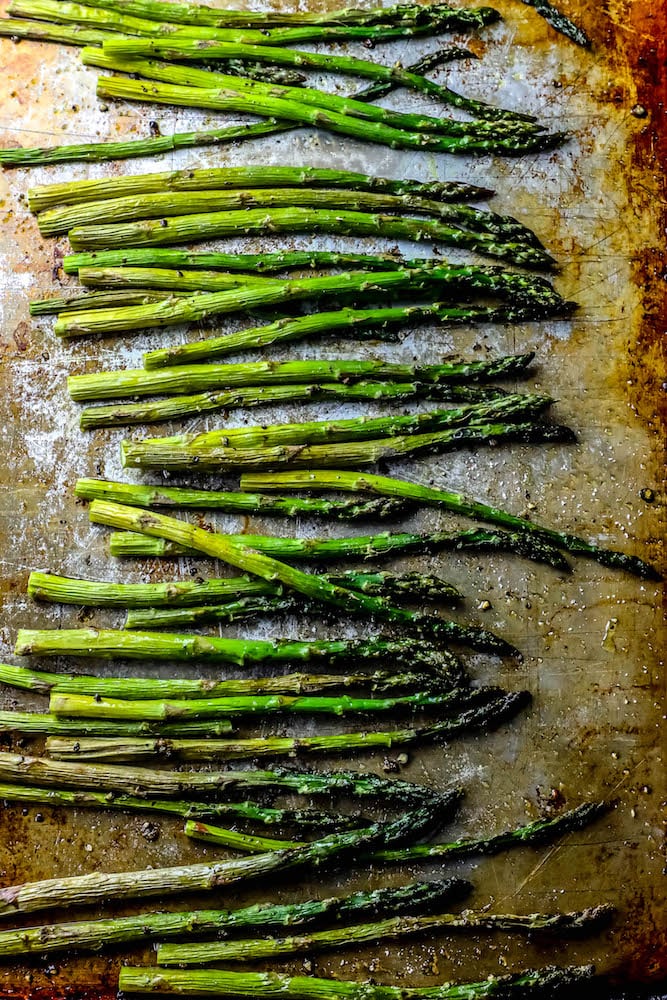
(101, 151)
(38, 724)
(152, 783)
(399, 14)
(283, 260)
(145, 455)
(41, 31)
(209, 52)
(186, 378)
(362, 546)
(152, 710)
(258, 985)
(354, 322)
(231, 503)
(486, 715)
(256, 70)
(573, 924)
(239, 97)
(97, 300)
(147, 619)
(235, 811)
(178, 593)
(455, 502)
(180, 406)
(516, 406)
(89, 16)
(241, 652)
(150, 688)
(560, 22)
(314, 587)
(92, 935)
(85, 889)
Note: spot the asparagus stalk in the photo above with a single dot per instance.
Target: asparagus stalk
(150, 688)
(548, 981)
(177, 407)
(146, 455)
(129, 543)
(354, 322)
(202, 51)
(573, 924)
(485, 715)
(231, 503)
(66, 34)
(386, 486)
(186, 378)
(239, 97)
(61, 219)
(268, 568)
(146, 619)
(151, 783)
(560, 22)
(79, 706)
(92, 935)
(235, 811)
(95, 17)
(100, 151)
(178, 593)
(514, 406)
(85, 889)
(39, 724)
(215, 18)
(108, 643)
(282, 260)
(256, 70)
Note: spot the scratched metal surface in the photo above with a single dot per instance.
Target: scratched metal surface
(591, 639)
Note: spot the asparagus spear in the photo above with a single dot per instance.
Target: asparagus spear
(85, 889)
(386, 486)
(179, 406)
(399, 14)
(97, 300)
(202, 51)
(147, 619)
(485, 715)
(560, 22)
(79, 706)
(150, 688)
(108, 643)
(39, 724)
(186, 378)
(231, 503)
(574, 924)
(282, 260)
(149, 782)
(92, 935)
(354, 322)
(513, 406)
(546, 982)
(268, 568)
(100, 151)
(235, 811)
(239, 97)
(95, 17)
(129, 543)
(67, 34)
(177, 593)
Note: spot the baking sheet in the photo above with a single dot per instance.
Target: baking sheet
(591, 640)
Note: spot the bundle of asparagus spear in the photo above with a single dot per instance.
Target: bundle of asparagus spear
(262, 77)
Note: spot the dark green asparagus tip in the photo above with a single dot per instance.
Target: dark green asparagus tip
(576, 819)
(631, 564)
